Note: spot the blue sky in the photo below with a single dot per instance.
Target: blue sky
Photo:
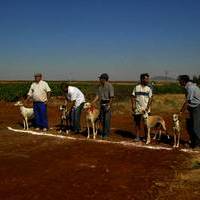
(79, 39)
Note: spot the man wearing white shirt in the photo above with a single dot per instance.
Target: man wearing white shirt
(73, 94)
(39, 92)
(141, 101)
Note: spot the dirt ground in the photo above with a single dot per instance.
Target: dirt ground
(37, 167)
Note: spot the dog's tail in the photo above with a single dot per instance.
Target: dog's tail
(164, 128)
(163, 125)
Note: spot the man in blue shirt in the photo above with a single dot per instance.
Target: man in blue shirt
(192, 103)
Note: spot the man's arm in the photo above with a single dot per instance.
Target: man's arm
(133, 102)
(71, 102)
(95, 99)
(184, 106)
(48, 95)
(149, 103)
(189, 96)
(111, 100)
(29, 95)
(111, 95)
(28, 98)
(150, 100)
(48, 91)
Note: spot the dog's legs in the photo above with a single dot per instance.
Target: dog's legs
(174, 139)
(94, 132)
(24, 123)
(96, 127)
(61, 126)
(148, 137)
(88, 129)
(67, 126)
(160, 132)
(178, 142)
(155, 136)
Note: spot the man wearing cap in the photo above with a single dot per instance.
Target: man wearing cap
(39, 92)
(105, 95)
(74, 95)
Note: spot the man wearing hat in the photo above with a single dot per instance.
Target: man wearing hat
(39, 92)
(105, 95)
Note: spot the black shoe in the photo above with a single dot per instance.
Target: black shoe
(104, 137)
(137, 139)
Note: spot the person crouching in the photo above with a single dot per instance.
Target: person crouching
(74, 95)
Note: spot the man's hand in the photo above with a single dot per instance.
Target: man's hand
(28, 99)
(95, 100)
(108, 107)
(181, 113)
(183, 109)
(93, 103)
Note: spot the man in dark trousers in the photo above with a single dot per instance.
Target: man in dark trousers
(74, 95)
(141, 99)
(105, 95)
(192, 103)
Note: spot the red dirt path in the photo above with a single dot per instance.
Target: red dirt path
(35, 167)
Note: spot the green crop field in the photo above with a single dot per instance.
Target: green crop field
(13, 91)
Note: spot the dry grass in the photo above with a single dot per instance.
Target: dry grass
(165, 103)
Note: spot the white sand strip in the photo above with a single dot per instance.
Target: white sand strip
(124, 143)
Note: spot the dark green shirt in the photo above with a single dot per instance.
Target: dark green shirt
(106, 91)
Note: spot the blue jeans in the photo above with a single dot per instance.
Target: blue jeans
(40, 113)
(105, 118)
(75, 118)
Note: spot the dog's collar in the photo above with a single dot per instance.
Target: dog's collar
(176, 120)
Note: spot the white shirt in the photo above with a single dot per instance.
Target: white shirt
(38, 91)
(74, 94)
(142, 95)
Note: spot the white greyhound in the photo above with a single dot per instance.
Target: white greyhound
(27, 113)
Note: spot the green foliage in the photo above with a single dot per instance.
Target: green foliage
(171, 88)
(15, 91)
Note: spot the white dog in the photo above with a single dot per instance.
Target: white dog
(151, 122)
(92, 115)
(177, 130)
(27, 113)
